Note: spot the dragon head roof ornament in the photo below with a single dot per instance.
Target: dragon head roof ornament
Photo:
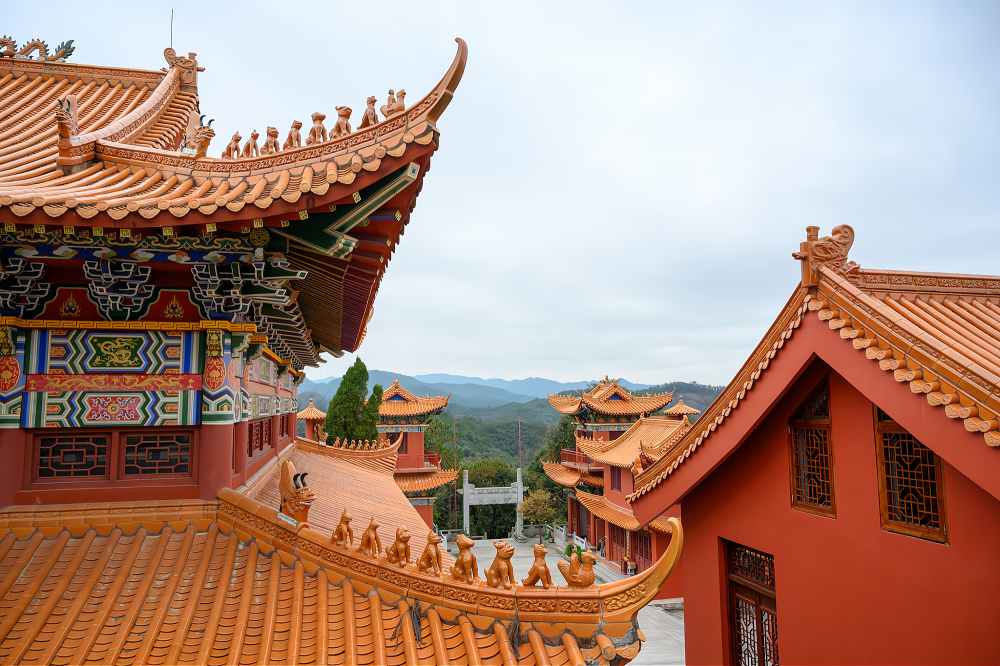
(830, 251)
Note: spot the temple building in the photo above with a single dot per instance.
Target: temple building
(852, 465)
(600, 471)
(158, 309)
(417, 471)
(608, 410)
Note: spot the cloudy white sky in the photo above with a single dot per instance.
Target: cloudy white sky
(619, 185)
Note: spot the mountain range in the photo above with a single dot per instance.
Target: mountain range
(472, 396)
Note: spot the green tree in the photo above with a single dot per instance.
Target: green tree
(537, 509)
(343, 414)
(367, 427)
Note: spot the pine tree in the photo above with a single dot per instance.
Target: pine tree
(367, 427)
(344, 412)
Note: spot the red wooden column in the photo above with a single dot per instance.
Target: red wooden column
(15, 451)
(241, 435)
(215, 459)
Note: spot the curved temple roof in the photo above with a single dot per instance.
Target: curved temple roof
(91, 167)
(611, 399)
(226, 582)
(397, 401)
(650, 435)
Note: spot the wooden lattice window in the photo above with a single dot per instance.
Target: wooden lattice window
(642, 550)
(74, 457)
(616, 479)
(753, 608)
(158, 455)
(811, 455)
(259, 437)
(911, 486)
(285, 420)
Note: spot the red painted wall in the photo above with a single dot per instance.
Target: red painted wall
(426, 512)
(847, 591)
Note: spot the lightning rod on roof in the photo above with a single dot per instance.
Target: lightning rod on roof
(171, 28)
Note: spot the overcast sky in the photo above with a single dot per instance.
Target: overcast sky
(619, 186)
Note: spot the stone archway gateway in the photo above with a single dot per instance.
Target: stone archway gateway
(473, 496)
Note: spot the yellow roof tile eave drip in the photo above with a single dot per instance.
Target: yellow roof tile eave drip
(602, 508)
(561, 474)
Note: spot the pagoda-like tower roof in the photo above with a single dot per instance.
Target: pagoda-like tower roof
(610, 399)
(680, 409)
(310, 413)
(398, 402)
(105, 175)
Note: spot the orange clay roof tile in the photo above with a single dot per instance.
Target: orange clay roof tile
(651, 435)
(418, 483)
(610, 398)
(135, 121)
(617, 515)
(310, 413)
(397, 401)
(227, 582)
(680, 409)
(564, 476)
(938, 333)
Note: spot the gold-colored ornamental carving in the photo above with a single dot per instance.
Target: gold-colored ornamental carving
(259, 237)
(109, 382)
(117, 353)
(213, 343)
(430, 560)
(501, 573)
(173, 309)
(69, 308)
(7, 345)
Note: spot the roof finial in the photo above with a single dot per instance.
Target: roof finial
(829, 251)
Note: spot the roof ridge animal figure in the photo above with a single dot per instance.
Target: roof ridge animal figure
(370, 544)
(250, 148)
(579, 571)
(343, 126)
(294, 139)
(399, 553)
(271, 144)
(343, 535)
(395, 103)
(296, 497)
(232, 151)
(501, 573)
(539, 570)
(370, 117)
(317, 133)
(466, 569)
(430, 560)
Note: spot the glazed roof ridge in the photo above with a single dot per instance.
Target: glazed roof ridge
(774, 339)
(680, 409)
(946, 348)
(292, 172)
(204, 553)
(378, 455)
(597, 400)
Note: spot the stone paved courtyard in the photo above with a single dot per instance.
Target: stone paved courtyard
(664, 631)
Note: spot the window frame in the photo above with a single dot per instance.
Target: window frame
(616, 475)
(896, 527)
(109, 457)
(759, 594)
(795, 424)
